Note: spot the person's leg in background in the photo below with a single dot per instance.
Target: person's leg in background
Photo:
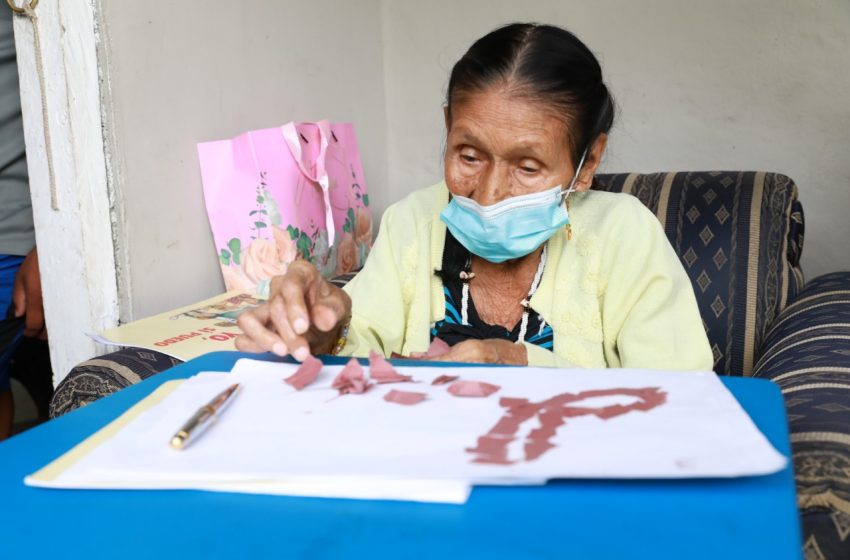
(11, 333)
(32, 368)
(17, 234)
(7, 412)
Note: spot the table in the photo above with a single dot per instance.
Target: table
(753, 517)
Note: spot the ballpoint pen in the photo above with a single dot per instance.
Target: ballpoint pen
(203, 418)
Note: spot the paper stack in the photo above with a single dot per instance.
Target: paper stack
(539, 425)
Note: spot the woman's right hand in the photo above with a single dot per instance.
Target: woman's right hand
(304, 315)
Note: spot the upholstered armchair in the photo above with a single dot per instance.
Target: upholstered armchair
(739, 236)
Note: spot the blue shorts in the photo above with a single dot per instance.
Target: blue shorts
(11, 329)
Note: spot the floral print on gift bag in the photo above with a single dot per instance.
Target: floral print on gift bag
(286, 193)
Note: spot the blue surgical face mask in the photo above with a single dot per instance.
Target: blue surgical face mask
(512, 228)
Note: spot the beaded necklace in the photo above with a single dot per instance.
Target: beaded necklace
(467, 275)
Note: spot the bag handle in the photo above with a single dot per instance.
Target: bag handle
(319, 173)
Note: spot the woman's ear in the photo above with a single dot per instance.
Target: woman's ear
(446, 117)
(591, 163)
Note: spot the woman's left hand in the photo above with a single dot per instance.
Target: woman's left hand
(488, 351)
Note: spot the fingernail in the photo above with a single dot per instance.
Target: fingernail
(279, 348)
(301, 354)
(300, 326)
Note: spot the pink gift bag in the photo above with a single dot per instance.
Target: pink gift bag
(286, 193)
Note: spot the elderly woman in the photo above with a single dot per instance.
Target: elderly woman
(511, 259)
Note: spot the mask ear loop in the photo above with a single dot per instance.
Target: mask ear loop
(571, 189)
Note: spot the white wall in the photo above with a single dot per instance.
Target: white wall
(724, 84)
(181, 72)
(701, 85)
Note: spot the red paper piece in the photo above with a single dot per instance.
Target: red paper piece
(351, 379)
(472, 389)
(381, 371)
(551, 414)
(437, 348)
(444, 379)
(305, 374)
(404, 397)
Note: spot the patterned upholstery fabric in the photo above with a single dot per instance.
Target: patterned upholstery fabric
(807, 353)
(739, 235)
(106, 374)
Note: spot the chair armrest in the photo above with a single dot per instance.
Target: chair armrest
(807, 353)
(104, 375)
(811, 334)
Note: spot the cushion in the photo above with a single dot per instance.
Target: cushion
(739, 236)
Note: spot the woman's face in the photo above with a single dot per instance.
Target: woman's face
(500, 145)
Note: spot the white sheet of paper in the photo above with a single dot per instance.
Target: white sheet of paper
(313, 442)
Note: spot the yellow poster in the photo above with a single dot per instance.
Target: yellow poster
(187, 332)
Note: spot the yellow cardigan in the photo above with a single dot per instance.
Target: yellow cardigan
(615, 294)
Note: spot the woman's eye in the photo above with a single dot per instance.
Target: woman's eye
(468, 158)
(528, 166)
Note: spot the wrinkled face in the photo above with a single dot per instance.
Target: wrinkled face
(501, 145)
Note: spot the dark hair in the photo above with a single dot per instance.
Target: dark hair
(541, 62)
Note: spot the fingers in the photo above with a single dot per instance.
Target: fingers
(245, 344)
(296, 286)
(257, 336)
(290, 304)
(459, 357)
(488, 351)
(464, 352)
(301, 314)
(294, 343)
(331, 306)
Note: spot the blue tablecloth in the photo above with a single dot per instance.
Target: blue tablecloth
(753, 518)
